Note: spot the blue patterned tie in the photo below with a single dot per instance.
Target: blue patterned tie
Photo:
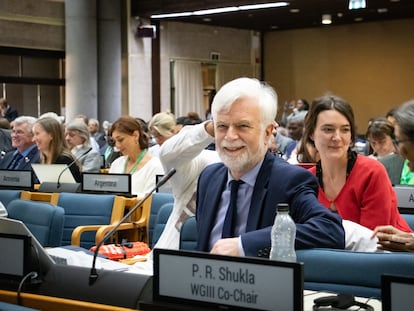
(15, 162)
(231, 214)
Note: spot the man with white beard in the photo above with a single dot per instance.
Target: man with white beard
(243, 112)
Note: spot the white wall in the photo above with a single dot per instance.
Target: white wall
(185, 42)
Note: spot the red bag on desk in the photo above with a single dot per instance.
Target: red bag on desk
(122, 251)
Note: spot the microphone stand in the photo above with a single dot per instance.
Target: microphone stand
(69, 166)
(94, 273)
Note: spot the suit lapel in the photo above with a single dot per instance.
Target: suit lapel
(260, 193)
(215, 189)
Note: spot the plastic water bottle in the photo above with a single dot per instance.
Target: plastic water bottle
(283, 235)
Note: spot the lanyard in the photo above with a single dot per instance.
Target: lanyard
(138, 160)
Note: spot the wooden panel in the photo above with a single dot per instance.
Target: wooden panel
(48, 303)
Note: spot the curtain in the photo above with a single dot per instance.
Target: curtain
(188, 88)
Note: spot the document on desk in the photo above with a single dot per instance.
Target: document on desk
(82, 259)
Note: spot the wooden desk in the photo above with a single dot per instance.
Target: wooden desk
(48, 303)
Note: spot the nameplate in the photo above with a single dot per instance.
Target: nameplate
(16, 179)
(405, 196)
(166, 188)
(231, 283)
(107, 183)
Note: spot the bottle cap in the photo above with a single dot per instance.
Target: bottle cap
(283, 207)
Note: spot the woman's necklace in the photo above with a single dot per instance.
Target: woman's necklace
(137, 161)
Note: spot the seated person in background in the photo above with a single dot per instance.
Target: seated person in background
(93, 128)
(352, 185)
(5, 136)
(162, 127)
(380, 135)
(283, 141)
(243, 112)
(186, 153)
(49, 136)
(26, 150)
(77, 138)
(7, 111)
(398, 170)
(129, 138)
(391, 238)
(295, 130)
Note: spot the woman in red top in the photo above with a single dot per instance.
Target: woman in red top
(355, 186)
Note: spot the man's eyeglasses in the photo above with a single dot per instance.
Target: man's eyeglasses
(18, 132)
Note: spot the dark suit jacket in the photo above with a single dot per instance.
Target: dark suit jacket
(5, 140)
(11, 114)
(25, 164)
(277, 182)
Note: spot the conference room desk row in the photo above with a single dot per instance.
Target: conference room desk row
(48, 303)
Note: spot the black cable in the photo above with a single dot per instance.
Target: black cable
(32, 275)
(39, 265)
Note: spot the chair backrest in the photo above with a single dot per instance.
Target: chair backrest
(409, 218)
(158, 200)
(37, 196)
(83, 209)
(8, 195)
(12, 307)
(44, 220)
(160, 222)
(188, 234)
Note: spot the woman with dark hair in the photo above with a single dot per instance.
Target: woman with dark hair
(129, 138)
(354, 186)
(48, 134)
(380, 135)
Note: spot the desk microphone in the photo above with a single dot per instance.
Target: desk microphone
(70, 164)
(93, 276)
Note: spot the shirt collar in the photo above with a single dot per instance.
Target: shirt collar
(27, 150)
(248, 178)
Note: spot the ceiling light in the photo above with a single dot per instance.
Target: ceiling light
(216, 11)
(357, 4)
(263, 6)
(223, 10)
(326, 19)
(167, 15)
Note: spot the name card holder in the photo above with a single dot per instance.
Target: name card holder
(405, 197)
(15, 260)
(201, 280)
(107, 183)
(16, 179)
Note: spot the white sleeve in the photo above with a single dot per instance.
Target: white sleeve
(184, 146)
(3, 210)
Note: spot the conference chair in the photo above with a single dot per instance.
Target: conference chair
(142, 222)
(12, 307)
(88, 216)
(7, 195)
(188, 234)
(160, 221)
(157, 201)
(44, 220)
(36, 196)
(409, 218)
